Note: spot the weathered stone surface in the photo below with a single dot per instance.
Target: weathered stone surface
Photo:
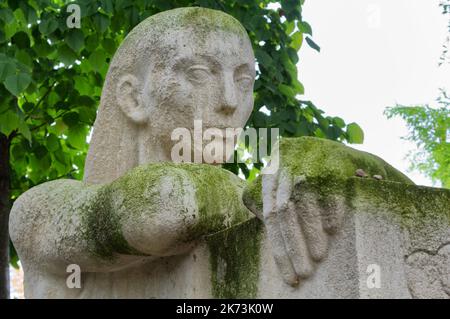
(141, 227)
(150, 212)
(405, 237)
(399, 227)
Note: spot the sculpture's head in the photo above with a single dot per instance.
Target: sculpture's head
(175, 67)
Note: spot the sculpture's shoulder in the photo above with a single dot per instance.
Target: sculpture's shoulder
(42, 196)
(36, 207)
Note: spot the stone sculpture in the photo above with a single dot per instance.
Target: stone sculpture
(139, 226)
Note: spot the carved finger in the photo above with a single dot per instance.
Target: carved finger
(295, 241)
(279, 251)
(293, 236)
(333, 209)
(269, 188)
(310, 215)
(274, 234)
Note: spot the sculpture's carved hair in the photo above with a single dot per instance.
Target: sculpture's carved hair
(113, 147)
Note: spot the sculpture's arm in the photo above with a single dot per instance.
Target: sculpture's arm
(152, 211)
(303, 203)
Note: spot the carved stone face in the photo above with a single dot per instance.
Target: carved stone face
(210, 79)
(174, 68)
(194, 78)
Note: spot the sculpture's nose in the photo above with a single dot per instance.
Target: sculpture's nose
(229, 100)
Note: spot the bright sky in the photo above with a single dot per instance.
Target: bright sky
(375, 53)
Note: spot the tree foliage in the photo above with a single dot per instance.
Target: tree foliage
(445, 56)
(429, 129)
(51, 76)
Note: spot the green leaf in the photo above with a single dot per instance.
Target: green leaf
(17, 83)
(21, 40)
(6, 15)
(10, 29)
(287, 90)
(312, 44)
(97, 59)
(259, 119)
(52, 143)
(107, 6)
(101, 22)
(77, 137)
(87, 115)
(304, 27)
(25, 130)
(43, 49)
(290, 26)
(40, 151)
(355, 134)
(24, 58)
(66, 55)
(27, 106)
(48, 26)
(17, 151)
(293, 55)
(92, 42)
(263, 58)
(109, 45)
(297, 40)
(82, 85)
(75, 39)
(71, 119)
(298, 86)
(319, 133)
(29, 12)
(19, 16)
(291, 127)
(9, 121)
(7, 68)
(339, 122)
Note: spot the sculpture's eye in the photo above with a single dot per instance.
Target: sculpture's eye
(245, 82)
(198, 74)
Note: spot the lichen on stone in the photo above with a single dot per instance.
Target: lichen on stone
(326, 165)
(102, 228)
(194, 17)
(218, 196)
(316, 157)
(252, 196)
(202, 21)
(416, 208)
(219, 199)
(235, 260)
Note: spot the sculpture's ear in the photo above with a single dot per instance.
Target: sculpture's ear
(129, 99)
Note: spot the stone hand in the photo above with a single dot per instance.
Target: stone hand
(298, 223)
(302, 204)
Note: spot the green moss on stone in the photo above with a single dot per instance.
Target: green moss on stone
(329, 171)
(316, 157)
(102, 228)
(202, 20)
(218, 195)
(208, 19)
(235, 260)
(416, 208)
(219, 199)
(253, 196)
(327, 165)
